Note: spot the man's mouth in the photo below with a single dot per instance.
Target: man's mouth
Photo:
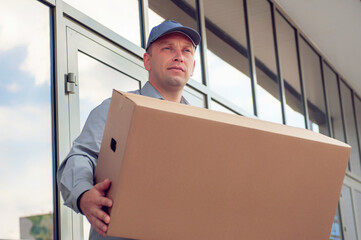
(176, 68)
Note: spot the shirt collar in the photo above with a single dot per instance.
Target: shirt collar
(150, 91)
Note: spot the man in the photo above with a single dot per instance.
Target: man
(169, 59)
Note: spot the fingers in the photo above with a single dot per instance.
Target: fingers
(103, 186)
(103, 202)
(99, 220)
(92, 203)
(101, 215)
(99, 226)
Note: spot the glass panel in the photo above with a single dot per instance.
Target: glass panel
(312, 78)
(25, 116)
(121, 17)
(220, 108)
(333, 98)
(180, 11)
(290, 72)
(351, 134)
(267, 88)
(194, 97)
(93, 90)
(358, 210)
(227, 55)
(348, 213)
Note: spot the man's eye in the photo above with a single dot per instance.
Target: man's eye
(188, 50)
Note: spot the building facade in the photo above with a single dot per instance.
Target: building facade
(61, 58)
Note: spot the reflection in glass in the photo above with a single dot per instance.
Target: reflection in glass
(25, 117)
(311, 72)
(290, 72)
(96, 83)
(229, 82)
(350, 126)
(267, 89)
(227, 54)
(181, 11)
(333, 98)
(121, 17)
(348, 212)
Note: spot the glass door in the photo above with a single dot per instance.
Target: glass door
(95, 67)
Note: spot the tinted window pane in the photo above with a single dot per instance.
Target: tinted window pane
(227, 56)
(351, 135)
(290, 72)
(121, 17)
(25, 119)
(348, 213)
(180, 11)
(268, 103)
(333, 98)
(311, 72)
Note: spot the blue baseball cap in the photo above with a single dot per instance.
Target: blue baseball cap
(171, 26)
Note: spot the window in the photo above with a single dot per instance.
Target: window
(350, 126)
(286, 38)
(267, 88)
(333, 98)
(311, 72)
(25, 108)
(227, 53)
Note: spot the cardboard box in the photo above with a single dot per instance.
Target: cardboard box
(181, 172)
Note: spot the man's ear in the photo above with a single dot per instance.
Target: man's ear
(146, 61)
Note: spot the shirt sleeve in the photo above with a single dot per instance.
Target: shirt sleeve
(76, 172)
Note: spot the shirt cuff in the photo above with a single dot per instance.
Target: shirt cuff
(77, 192)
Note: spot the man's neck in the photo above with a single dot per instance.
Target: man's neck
(173, 96)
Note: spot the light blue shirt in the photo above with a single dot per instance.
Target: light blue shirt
(76, 172)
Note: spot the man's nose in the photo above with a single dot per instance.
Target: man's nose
(178, 56)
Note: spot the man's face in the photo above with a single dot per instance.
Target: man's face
(170, 62)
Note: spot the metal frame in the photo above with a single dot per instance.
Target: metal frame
(53, 127)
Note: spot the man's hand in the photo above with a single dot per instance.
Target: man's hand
(91, 204)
